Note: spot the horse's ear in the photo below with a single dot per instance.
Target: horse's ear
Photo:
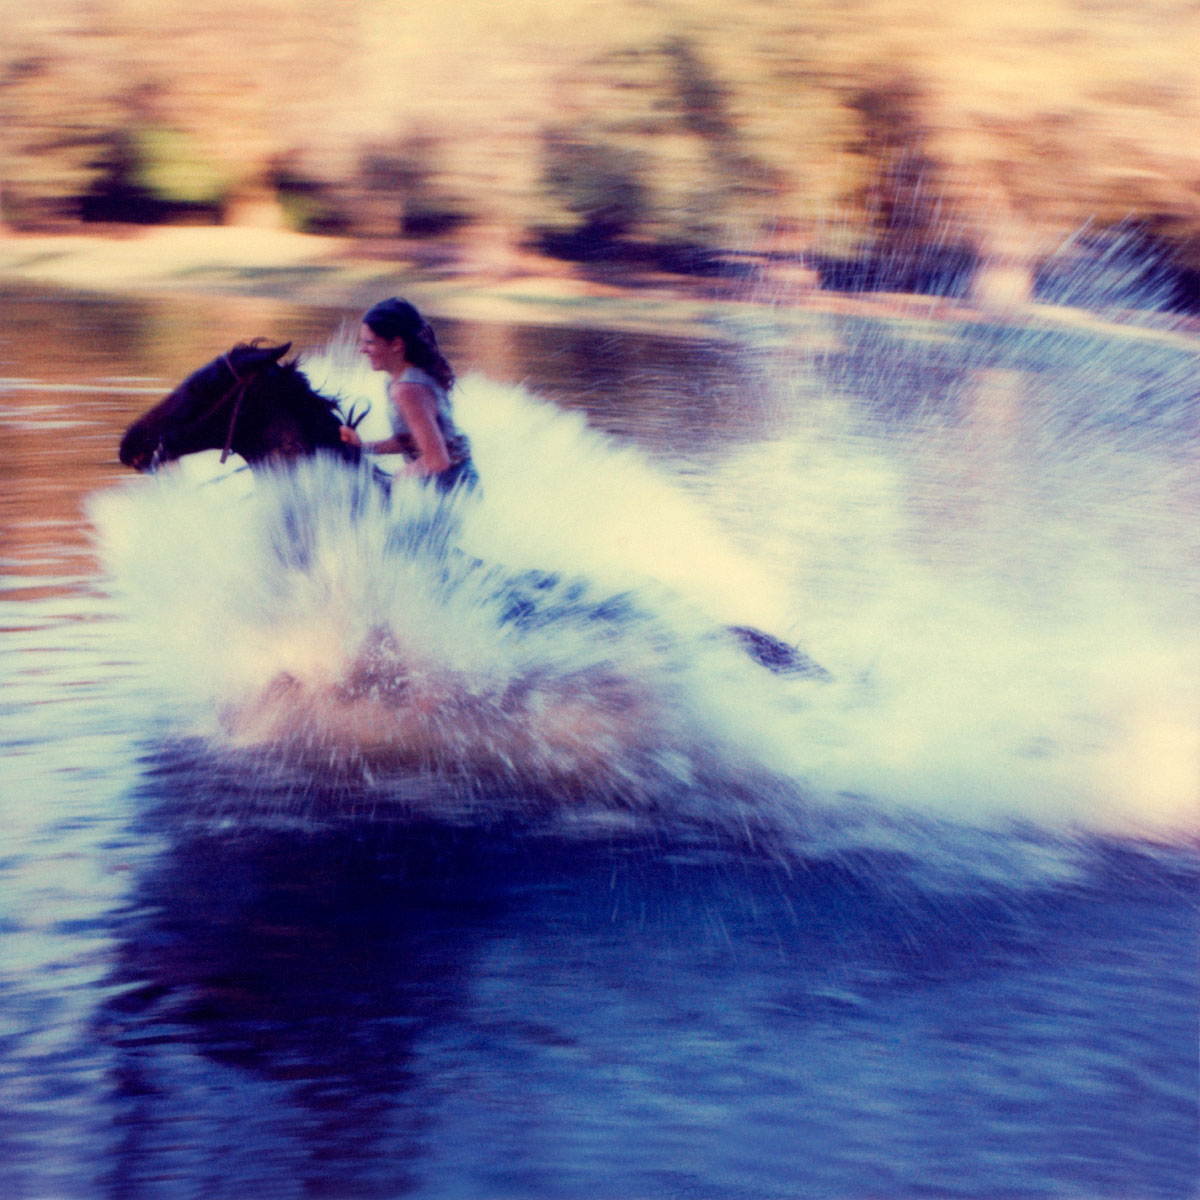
(256, 354)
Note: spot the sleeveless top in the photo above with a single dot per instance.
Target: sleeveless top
(457, 445)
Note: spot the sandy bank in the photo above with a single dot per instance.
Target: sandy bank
(344, 273)
(336, 272)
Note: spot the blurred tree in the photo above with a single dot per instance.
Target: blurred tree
(600, 184)
(668, 128)
(401, 190)
(54, 120)
(904, 194)
(652, 158)
(150, 174)
(910, 238)
(310, 203)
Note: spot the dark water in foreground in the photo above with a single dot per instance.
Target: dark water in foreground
(929, 930)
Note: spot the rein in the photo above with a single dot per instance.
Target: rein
(235, 396)
(238, 391)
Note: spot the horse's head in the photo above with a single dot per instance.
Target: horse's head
(197, 414)
(246, 401)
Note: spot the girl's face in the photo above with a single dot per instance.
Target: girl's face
(381, 354)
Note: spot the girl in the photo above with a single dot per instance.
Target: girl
(397, 339)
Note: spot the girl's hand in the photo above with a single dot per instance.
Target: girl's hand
(350, 436)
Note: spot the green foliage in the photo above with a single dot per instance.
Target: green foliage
(309, 205)
(170, 167)
(304, 212)
(597, 184)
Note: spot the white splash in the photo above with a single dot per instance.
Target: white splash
(999, 652)
(312, 613)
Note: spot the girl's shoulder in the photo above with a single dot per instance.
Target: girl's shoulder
(412, 374)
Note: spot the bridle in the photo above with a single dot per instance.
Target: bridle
(235, 396)
(240, 387)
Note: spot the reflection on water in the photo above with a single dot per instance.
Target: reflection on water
(73, 369)
(962, 972)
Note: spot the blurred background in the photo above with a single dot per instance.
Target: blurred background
(927, 929)
(943, 147)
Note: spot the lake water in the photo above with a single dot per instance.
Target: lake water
(603, 908)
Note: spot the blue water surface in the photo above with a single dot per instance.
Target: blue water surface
(229, 975)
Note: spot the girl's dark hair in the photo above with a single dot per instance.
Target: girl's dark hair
(396, 318)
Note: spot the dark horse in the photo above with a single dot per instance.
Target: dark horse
(246, 402)
(250, 403)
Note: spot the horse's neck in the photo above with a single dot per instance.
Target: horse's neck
(299, 426)
(285, 437)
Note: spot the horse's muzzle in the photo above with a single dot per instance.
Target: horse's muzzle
(138, 451)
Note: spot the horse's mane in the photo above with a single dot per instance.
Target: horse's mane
(317, 412)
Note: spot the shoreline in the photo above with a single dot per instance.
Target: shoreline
(331, 272)
(318, 271)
